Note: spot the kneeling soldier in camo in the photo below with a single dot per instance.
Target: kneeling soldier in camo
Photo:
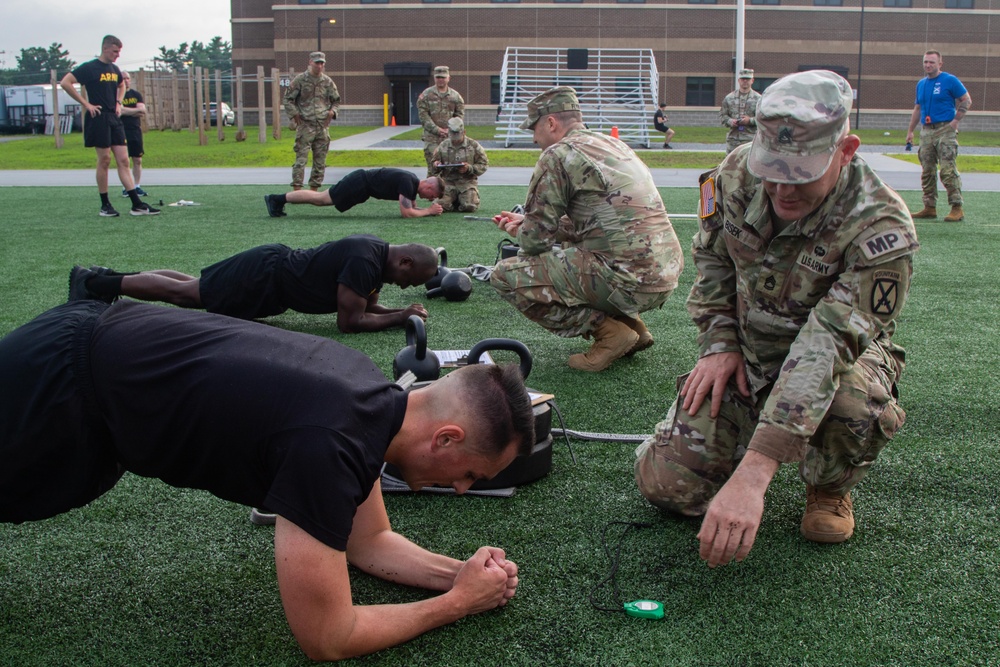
(459, 161)
(804, 260)
(618, 255)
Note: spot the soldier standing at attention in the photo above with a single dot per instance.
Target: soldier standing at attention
(461, 183)
(133, 109)
(435, 106)
(941, 102)
(804, 260)
(619, 255)
(311, 102)
(738, 111)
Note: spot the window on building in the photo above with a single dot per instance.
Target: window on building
(760, 84)
(828, 3)
(636, 2)
(702, 2)
(495, 86)
(897, 3)
(700, 91)
(628, 90)
(312, 2)
(765, 2)
(959, 4)
(374, 2)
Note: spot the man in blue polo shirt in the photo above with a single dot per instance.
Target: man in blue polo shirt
(941, 103)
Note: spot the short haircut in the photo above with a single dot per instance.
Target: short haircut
(109, 40)
(663, 104)
(424, 257)
(438, 183)
(500, 405)
(936, 53)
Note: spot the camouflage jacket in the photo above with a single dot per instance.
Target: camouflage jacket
(312, 97)
(468, 151)
(434, 110)
(736, 105)
(803, 304)
(592, 191)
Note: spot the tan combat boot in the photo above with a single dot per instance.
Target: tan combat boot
(928, 212)
(956, 214)
(637, 325)
(829, 518)
(612, 340)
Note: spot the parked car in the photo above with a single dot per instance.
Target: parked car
(228, 115)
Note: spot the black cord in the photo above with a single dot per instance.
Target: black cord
(615, 562)
(562, 425)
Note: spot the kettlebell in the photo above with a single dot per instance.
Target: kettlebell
(415, 357)
(442, 270)
(455, 286)
(509, 344)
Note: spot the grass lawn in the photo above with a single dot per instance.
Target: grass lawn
(181, 149)
(149, 574)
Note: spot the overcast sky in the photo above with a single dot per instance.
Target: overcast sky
(142, 25)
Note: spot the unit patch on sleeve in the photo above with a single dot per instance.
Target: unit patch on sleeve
(885, 292)
(707, 204)
(883, 243)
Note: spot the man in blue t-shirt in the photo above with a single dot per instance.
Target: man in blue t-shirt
(941, 103)
(102, 125)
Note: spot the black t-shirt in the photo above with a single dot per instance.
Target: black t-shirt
(309, 277)
(386, 183)
(101, 81)
(293, 423)
(132, 99)
(660, 120)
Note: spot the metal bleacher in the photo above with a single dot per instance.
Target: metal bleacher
(617, 88)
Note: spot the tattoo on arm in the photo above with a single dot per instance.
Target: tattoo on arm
(406, 202)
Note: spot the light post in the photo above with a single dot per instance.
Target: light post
(861, 42)
(319, 31)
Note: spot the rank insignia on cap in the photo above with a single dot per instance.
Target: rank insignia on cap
(785, 135)
(707, 205)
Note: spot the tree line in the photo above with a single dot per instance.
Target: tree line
(34, 63)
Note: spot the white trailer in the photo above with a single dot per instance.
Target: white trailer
(30, 107)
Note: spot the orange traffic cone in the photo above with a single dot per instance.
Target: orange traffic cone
(614, 131)
(393, 122)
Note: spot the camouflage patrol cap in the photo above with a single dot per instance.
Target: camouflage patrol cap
(800, 120)
(554, 100)
(746, 73)
(456, 126)
(442, 70)
(317, 57)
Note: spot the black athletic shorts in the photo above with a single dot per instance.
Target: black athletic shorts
(56, 451)
(103, 131)
(243, 285)
(133, 137)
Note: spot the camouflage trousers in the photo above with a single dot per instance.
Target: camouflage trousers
(568, 291)
(310, 136)
(429, 148)
(689, 457)
(462, 197)
(732, 143)
(939, 145)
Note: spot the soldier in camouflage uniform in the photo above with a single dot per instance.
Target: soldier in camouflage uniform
(311, 102)
(461, 184)
(941, 102)
(804, 261)
(434, 107)
(738, 112)
(618, 254)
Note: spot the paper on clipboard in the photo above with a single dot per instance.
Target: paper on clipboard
(456, 358)
(538, 397)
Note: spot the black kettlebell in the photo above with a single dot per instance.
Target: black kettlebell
(455, 286)
(442, 270)
(415, 357)
(509, 344)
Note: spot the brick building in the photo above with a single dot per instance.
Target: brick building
(388, 47)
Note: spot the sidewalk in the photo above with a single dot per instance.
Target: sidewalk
(898, 174)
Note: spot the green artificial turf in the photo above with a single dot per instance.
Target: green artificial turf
(149, 574)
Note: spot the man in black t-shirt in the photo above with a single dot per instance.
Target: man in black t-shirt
(343, 277)
(133, 109)
(294, 423)
(102, 125)
(361, 185)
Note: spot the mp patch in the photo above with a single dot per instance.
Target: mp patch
(885, 291)
(884, 243)
(707, 205)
